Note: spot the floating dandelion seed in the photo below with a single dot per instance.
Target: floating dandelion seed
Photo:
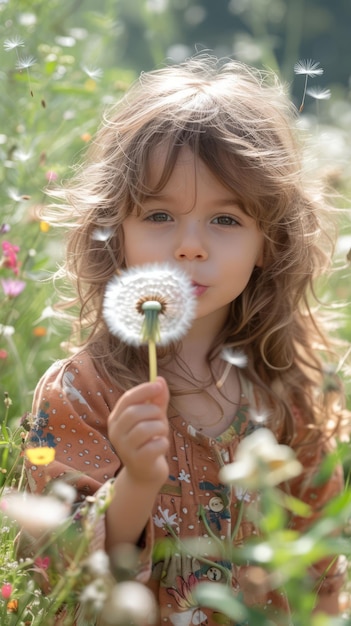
(95, 73)
(12, 44)
(151, 304)
(237, 358)
(102, 234)
(308, 69)
(318, 93)
(24, 63)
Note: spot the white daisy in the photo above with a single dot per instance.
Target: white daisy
(129, 602)
(35, 513)
(261, 461)
(126, 296)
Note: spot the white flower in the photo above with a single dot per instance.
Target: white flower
(126, 294)
(308, 68)
(166, 519)
(94, 594)
(6, 331)
(98, 563)
(35, 514)
(63, 491)
(130, 602)
(184, 476)
(261, 461)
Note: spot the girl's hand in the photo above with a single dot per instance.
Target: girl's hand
(138, 430)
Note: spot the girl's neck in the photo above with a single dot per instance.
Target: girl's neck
(194, 393)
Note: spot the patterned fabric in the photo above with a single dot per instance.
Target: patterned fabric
(72, 404)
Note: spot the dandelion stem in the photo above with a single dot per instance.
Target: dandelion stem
(303, 95)
(151, 333)
(152, 360)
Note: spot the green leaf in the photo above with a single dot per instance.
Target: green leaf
(220, 598)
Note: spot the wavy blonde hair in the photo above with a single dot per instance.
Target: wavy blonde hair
(241, 123)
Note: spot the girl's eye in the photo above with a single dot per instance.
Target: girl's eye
(159, 216)
(225, 220)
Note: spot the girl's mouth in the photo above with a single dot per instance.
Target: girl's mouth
(198, 289)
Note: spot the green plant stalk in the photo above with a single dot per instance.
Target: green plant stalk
(226, 573)
(152, 360)
(151, 333)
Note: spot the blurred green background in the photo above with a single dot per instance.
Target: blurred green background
(63, 61)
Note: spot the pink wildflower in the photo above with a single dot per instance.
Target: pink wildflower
(51, 176)
(42, 563)
(6, 591)
(10, 256)
(3, 354)
(12, 288)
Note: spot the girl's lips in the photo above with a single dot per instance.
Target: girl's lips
(198, 290)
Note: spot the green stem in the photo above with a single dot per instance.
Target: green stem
(152, 360)
(238, 520)
(187, 550)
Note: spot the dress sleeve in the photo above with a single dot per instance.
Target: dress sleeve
(70, 411)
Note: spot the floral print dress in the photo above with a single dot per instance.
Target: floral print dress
(71, 407)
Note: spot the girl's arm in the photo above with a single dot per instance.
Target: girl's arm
(138, 430)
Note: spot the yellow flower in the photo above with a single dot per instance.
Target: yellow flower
(44, 227)
(40, 456)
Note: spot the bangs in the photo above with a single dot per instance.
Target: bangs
(259, 175)
(228, 166)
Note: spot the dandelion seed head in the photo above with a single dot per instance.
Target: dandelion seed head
(308, 68)
(125, 295)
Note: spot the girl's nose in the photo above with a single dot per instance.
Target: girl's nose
(191, 244)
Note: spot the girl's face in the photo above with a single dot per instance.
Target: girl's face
(196, 224)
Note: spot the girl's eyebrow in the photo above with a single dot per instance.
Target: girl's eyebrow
(221, 202)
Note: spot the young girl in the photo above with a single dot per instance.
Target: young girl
(198, 167)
